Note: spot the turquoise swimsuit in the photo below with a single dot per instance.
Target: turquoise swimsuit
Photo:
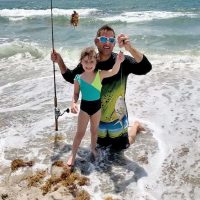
(90, 102)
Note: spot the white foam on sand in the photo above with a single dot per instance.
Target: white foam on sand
(166, 101)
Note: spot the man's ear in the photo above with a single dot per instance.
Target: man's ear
(95, 41)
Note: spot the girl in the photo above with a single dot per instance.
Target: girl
(89, 83)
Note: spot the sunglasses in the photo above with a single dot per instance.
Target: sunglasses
(104, 39)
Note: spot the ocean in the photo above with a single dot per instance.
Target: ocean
(164, 162)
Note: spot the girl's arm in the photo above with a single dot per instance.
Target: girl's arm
(115, 69)
(74, 107)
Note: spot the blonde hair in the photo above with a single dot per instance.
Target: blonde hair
(90, 52)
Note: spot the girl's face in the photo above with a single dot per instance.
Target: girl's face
(88, 63)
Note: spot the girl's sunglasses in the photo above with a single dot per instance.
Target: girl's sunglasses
(104, 39)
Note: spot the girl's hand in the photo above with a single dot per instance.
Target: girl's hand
(74, 108)
(120, 57)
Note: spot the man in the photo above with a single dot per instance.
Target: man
(113, 127)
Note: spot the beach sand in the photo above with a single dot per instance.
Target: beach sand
(28, 182)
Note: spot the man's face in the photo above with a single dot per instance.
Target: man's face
(105, 48)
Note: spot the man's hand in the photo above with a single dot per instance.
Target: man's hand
(123, 41)
(56, 57)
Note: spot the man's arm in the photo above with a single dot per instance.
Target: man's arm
(67, 74)
(62, 67)
(136, 54)
(138, 60)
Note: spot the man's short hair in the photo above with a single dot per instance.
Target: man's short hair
(105, 27)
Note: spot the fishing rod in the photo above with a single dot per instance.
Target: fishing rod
(56, 109)
(54, 75)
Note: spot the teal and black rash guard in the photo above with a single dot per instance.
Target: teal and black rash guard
(113, 88)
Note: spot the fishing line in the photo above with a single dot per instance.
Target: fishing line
(125, 107)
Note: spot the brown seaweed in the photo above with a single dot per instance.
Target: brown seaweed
(35, 179)
(17, 163)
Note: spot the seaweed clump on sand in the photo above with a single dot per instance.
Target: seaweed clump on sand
(70, 180)
(108, 198)
(4, 196)
(58, 163)
(82, 195)
(37, 178)
(57, 138)
(17, 163)
(111, 198)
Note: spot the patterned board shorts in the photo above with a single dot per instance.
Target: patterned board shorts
(114, 134)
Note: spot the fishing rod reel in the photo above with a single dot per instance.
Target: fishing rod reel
(58, 113)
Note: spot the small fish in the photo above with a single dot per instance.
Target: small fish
(74, 19)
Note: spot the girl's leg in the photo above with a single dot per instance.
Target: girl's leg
(83, 119)
(94, 123)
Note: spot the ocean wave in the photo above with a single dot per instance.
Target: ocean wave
(21, 14)
(130, 17)
(9, 49)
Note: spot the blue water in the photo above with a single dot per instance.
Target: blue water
(158, 26)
